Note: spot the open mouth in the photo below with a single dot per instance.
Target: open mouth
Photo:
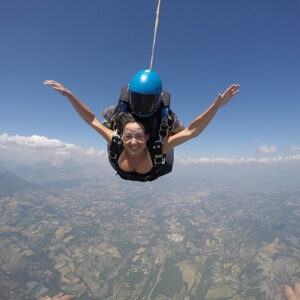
(133, 148)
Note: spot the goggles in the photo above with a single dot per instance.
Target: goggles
(128, 135)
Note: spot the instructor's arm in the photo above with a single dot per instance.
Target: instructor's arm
(86, 114)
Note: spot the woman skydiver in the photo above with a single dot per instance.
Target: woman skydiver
(132, 155)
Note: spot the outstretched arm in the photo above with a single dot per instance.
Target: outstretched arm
(200, 123)
(86, 114)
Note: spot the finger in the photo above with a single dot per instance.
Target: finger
(297, 289)
(68, 297)
(235, 87)
(58, 296)
(228, 90)
(50, 83)
(47, 82)
(289, 292)
(232, 87)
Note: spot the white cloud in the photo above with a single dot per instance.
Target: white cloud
(295, 148)
(257, 141)
(33, 142)
(267, 149)
(241, 160)
(90, 152)
(36, 148)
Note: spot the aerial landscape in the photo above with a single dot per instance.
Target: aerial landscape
(109, 239)
(224, 224)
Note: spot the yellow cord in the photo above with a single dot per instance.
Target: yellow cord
(155, 30)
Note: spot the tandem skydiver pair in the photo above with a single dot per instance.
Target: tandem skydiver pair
(141, 130)
(149, 104)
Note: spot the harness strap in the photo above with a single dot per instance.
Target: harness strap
(157, 154)
(114, 149)
(163, 126)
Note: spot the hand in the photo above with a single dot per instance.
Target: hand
(58, 87)
(290, 294)
(60, 296)
(227, 95)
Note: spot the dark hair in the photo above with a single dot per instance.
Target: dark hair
(121, 119)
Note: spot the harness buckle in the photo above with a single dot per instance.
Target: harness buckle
(159, 159)
(112, 155)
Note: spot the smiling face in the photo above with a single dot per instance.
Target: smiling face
(134, 139)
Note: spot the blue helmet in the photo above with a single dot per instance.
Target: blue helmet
(145, 93)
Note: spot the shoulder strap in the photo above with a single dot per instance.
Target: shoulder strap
(124, 94)
(157, 156)
(115, 147)
(122, 106)
(123, 101)
(166, 98)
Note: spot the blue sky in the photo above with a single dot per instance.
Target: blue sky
(95, 47)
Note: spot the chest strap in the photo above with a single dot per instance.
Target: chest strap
(158, 157)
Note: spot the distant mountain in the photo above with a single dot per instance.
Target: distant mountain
(67, 172)
(10, 182)
(47, 175)
(48, 172)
